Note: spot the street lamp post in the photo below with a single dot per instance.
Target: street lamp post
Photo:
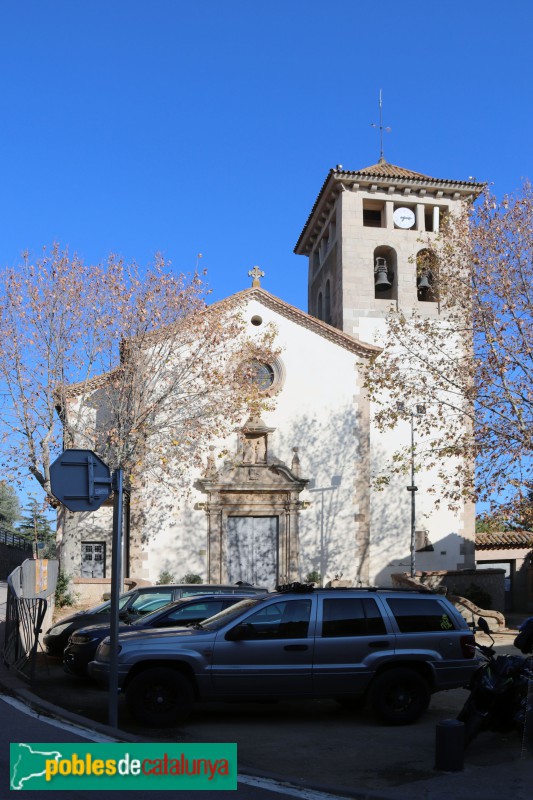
(419, 411)
(336, 481)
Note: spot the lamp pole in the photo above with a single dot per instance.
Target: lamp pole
(336, 481)
(419, 411)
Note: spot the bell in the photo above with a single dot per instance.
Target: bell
(424, 283)
(381, 272)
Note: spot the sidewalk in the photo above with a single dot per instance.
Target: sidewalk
(313, 744)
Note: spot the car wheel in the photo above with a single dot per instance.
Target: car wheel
(160, 696)
(399, 696)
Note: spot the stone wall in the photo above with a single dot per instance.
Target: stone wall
(92, 591)
(464, 582)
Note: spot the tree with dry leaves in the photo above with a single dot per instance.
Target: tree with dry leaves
(127, 361)
(470, 359)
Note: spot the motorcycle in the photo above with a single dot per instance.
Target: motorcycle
(524, 640)
(498, 699)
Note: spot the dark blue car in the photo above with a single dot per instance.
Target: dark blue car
(187, 611)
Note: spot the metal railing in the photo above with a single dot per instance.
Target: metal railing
(24, 619)
(14, 540)
(28, 589)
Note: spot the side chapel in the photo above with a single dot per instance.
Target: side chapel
(295, 495)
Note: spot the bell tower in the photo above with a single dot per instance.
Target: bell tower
(365, 241)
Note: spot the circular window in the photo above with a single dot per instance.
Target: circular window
(267, 378)
(261, 374)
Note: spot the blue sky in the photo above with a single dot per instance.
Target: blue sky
(208, 127)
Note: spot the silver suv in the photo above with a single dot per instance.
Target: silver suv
(390, 648)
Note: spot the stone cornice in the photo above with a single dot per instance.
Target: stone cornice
(385, 177)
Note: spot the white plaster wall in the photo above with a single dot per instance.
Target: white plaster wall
(391, 508)
(316, 412)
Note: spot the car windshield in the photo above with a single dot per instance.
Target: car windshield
(146, 619)
(225, 616)
(105, 608)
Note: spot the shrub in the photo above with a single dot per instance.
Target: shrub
(191, 578)
(165, 577)
(63, 595)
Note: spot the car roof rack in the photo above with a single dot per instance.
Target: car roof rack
(302, 588)
(295, 586)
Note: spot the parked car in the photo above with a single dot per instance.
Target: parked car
(83, 642)
(133, 604)
(390, 648)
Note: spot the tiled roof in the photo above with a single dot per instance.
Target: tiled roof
(504, 540)
(391, 171)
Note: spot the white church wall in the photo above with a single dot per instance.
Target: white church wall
(316, 411)
(391, 508)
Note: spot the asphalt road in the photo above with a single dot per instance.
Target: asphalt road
(27, 727)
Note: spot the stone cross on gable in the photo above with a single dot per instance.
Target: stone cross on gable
(256, 273)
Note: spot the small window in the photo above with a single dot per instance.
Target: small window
(319, 306)
(433, 218)
(420, 614)
(93, 559)
(285, 620)
(350, 616)
(373, 215)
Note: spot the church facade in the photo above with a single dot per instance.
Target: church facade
(293, 496)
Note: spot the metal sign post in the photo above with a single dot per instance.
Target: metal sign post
(81, 481)
(115, 594)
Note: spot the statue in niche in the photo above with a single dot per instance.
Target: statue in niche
(248, 455)
(260, 451)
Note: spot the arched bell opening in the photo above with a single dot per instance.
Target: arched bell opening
(385, 273)
(426, 276)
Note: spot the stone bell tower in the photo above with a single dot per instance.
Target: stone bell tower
(365, 240)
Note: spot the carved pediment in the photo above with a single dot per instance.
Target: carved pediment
(275, 476)
(252, 467)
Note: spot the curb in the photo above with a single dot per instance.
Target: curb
(10, 686)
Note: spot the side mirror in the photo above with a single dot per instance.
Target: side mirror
(239, 632)
(483, 624)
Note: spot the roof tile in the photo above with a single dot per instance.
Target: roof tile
(504, 540)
